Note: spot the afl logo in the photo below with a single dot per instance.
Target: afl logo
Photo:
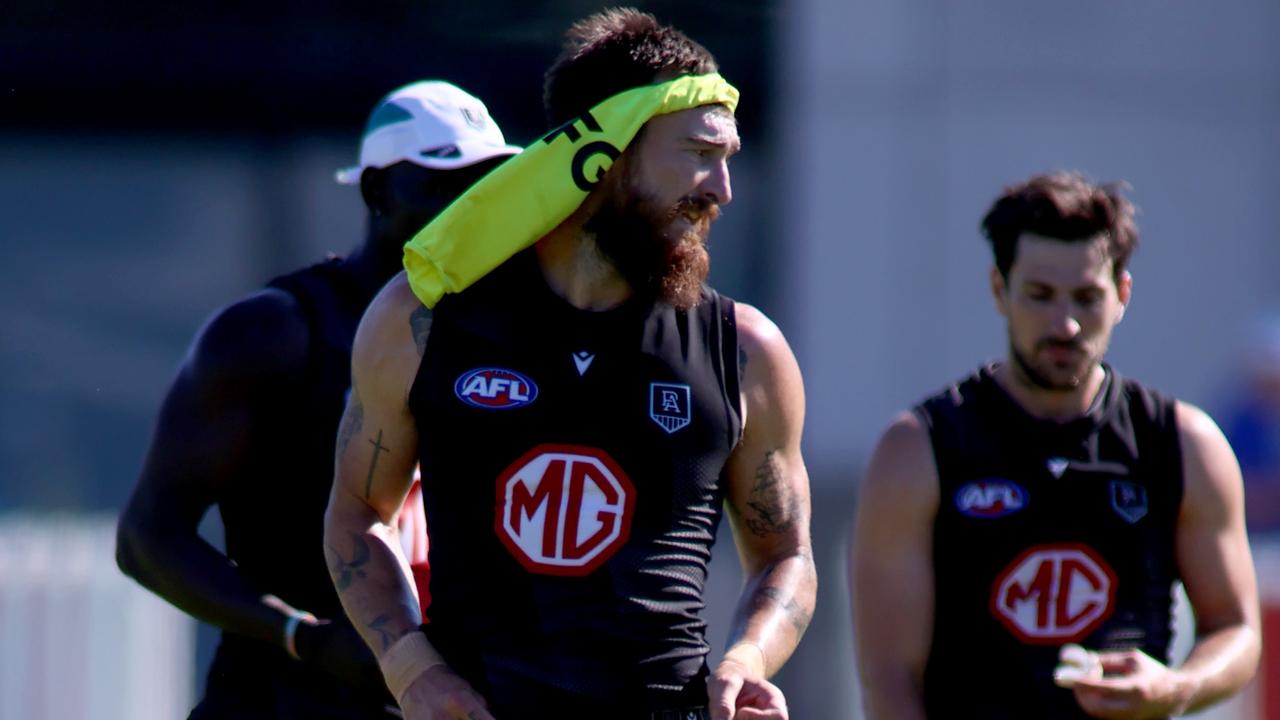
(495, 389)
(990, 498)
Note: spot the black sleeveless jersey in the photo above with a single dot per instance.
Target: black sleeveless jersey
(1046, 534)
(571, 473)
(273, 513)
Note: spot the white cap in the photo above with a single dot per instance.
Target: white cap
(431, 123)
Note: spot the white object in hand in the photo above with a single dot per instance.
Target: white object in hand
(1075, 664)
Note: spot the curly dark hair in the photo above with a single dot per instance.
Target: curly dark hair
(1065, 206)
(615, 50)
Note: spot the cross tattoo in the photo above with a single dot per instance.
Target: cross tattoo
(378, 447)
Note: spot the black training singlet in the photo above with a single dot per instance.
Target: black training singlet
(1047, 533)
(571, 467)
(273, 514)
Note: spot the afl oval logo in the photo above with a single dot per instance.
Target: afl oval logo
(495, 389)
(990, 498)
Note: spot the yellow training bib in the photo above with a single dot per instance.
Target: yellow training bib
(533, 192)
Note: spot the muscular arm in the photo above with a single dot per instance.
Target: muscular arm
(768, 500)
(1217, 570)
(1215, 564)
(891, 571)
(201, 446)
(376, 452)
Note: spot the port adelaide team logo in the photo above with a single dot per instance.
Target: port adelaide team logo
(1129, 500)
(669, 405)
(495, 389)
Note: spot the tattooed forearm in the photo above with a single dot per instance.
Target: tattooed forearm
(796, 614)
(346, 571)
(420, 324)
(379, 625)
(352, 420)
(772, 506)
(378, 448)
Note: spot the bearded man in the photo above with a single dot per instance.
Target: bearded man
(583, 412)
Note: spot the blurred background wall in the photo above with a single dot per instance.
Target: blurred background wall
(159, 160)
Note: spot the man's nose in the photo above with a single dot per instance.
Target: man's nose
(1065, 325)
(717, 186)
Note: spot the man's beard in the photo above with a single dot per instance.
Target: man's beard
(1044, 380)
(655, 257)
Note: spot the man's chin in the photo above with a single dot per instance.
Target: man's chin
(1063, 379)
(687, 269)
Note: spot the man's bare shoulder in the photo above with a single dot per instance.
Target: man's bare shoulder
(395, 316)
(903, 457)
(757, 334)
(261, 337)
(390, 342)
(1211, 472)
(772, 386)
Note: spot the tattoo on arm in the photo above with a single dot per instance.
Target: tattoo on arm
(378, 447)
(352, 420)
(348, 570)
(379, 625)
(796, 614)
(774, 508)
(420, 324)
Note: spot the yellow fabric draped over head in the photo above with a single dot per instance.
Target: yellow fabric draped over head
(529, 195)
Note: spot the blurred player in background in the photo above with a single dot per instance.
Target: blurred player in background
(249, 424)
(1047, 501)
(1251, 421)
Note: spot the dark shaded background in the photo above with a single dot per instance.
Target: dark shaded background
(283, 68)
(271, 77)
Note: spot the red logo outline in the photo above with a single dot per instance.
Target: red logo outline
(600, 546)
(1057, 598)
(979, 498)
(513, 383)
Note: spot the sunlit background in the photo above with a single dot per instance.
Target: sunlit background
(160, 160)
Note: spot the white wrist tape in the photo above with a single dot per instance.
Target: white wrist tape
(291, 631)
(406, 660)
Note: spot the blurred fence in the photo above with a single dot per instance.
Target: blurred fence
(78, 640)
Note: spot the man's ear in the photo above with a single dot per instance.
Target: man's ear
(1124, 291)
(999, 291)
(373, 188)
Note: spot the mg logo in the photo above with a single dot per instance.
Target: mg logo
(564, 509)
(1054, 594)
